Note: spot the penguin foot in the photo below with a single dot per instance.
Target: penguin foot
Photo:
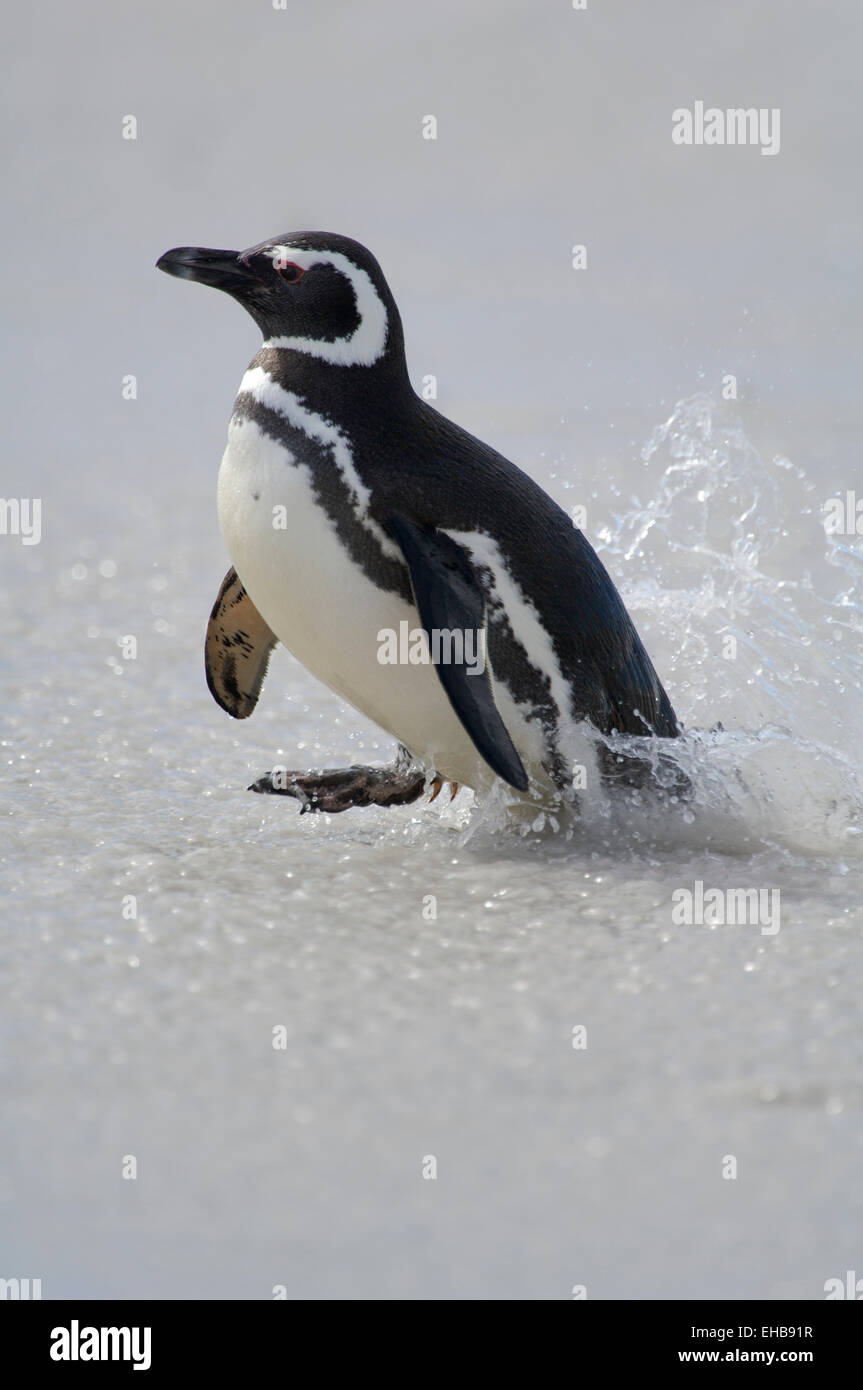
(345, 787)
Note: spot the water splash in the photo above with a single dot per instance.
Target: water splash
(756, 623)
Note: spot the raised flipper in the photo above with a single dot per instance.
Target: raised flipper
(236, 649)
(236, 655)
(450, 599)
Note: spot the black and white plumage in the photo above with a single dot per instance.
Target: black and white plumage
(389, 512)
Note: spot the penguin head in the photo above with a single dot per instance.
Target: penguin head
(314, 292)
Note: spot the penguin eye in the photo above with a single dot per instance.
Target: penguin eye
(288, 271)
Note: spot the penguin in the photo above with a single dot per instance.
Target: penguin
(356, 515)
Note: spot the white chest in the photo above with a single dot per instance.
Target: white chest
(322, 606)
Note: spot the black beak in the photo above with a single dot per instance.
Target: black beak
(224, 270)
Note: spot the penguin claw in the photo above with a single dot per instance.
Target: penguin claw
(438, 783)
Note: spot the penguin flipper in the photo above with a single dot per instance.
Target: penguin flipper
(236, 649)
(450, 599)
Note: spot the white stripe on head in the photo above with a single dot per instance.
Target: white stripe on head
(367, 342)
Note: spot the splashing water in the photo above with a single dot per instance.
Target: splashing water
(756, 621)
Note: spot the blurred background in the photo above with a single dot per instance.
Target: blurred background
(160, 922)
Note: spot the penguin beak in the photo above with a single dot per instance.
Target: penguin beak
(224, 270)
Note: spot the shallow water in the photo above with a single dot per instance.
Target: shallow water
(429, 965)
(411, 1035)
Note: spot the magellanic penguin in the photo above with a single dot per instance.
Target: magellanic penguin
(352, 509)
